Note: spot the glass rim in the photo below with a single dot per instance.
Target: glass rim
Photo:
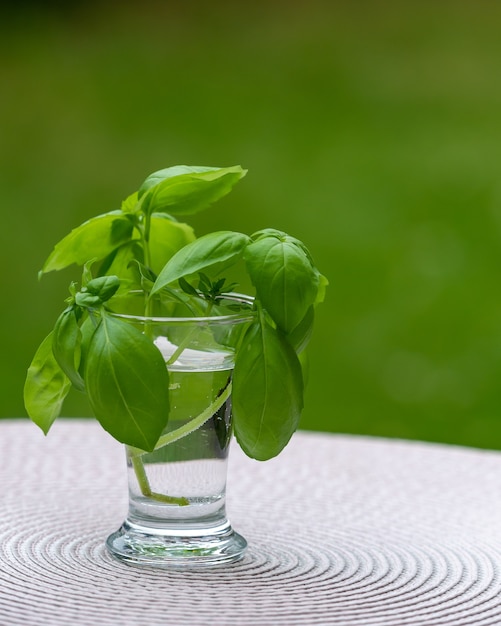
(243, 316)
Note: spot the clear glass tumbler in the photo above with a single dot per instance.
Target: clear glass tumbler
(177, 493)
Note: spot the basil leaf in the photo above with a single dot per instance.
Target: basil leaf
(304, 359)
(87, 329)
(97, 291)
(119, 262)
(144, 276)
(93, 239)
(127, 383)
(267, 391)
(184, 190)
(86, 274)
(187, 288)
(285, 280)
(130, 204)
(66, 345)
(300, 336)
(46, 386)
(166, 238)
(171, 172)
(204, 252)
(322, 287)
(279, 234)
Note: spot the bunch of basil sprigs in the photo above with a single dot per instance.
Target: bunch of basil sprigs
(143, 245)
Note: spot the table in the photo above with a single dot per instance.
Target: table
(341, 529)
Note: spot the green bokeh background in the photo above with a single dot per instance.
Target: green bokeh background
(371, 130)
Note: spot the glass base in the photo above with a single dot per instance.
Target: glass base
(147, 547)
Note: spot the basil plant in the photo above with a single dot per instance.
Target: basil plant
(146, 246)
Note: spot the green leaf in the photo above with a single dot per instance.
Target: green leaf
(204, 282)
(46, 386)
(130, 204)
(118, 263)
(66, 345)
(87, 329)
(86, 272)
(267, 392)
(200, 254)
(187, 288)
(300, 336)
(285, 280)
(279, 234)
(145, 276)
(127, 383)
(322, 287)
(183, 190)
(93, 239)
(304, 359)
(170, 172)
(166, 238)
(97, 291)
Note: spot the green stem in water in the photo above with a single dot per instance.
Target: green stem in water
(136, 455)
(142, 479)
(188, 338)
(189, 427)
(197, 421)
(169, 499)
(186, 429)
(180, 349)
(144, 485)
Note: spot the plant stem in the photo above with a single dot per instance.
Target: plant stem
(142, 479)
(190, 426)
(146, 239)
(182, 345)
(169, 499)
(144, 484)
(145, 235)
(197, 421)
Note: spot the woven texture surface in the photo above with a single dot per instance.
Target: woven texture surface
(341, 530)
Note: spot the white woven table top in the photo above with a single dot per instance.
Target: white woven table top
(341, 530)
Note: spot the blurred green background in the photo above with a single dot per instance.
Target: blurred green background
(371, 130)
